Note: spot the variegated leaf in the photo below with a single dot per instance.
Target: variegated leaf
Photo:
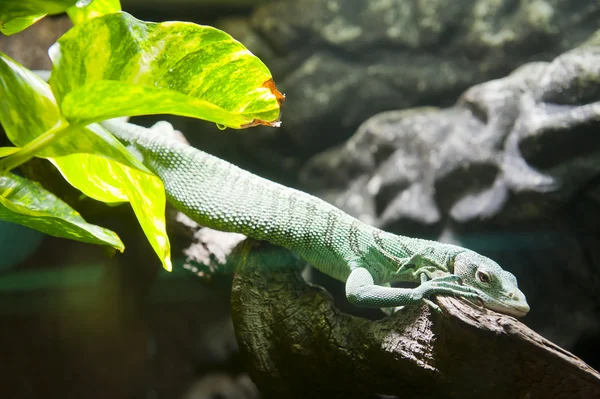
(28, 109)
(96, 9)
(28, 203)
(109, 181)
(16, 15)
(117, 65)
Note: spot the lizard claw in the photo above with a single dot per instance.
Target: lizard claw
(447, 285)
(433, 305)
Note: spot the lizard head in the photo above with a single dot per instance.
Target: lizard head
(496, 287)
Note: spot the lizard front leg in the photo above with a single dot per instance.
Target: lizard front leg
(361, 290)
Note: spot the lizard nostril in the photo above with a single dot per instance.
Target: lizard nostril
(511, 295)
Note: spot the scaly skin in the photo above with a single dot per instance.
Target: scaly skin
(222, 196)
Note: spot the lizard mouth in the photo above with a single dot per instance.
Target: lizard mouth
(511, 306)
(517, 310)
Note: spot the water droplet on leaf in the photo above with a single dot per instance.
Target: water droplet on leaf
(221, 127)
(83, 3)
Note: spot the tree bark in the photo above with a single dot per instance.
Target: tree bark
(297, 344)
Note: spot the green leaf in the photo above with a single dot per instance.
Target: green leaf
(16, 25)
(117, 65)
(26, 202)
(126, 99)
(28, 109)
(16, 15)
(5, 151)
(109, 181)
(96, 9)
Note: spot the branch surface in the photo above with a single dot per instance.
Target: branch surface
(297, 344)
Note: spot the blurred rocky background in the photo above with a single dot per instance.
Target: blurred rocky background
(342, 61)
(467, 121)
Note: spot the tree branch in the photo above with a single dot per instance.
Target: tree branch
(297, 344)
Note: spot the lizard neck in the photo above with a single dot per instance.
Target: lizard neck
(405, 258)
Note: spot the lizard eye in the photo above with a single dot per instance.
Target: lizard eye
(483, 277)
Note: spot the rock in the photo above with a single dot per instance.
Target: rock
(340, 62)
(512, 170)
(502, 143)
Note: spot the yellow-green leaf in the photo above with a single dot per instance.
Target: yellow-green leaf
(112, 174)
(121, 66)
(16, 15)
(96, 9)
(16, 25)
(109, 181)
(128, 99)
(26, 202)
(28, 109)
(5, 151)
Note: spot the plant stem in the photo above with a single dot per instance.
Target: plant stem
(34, 146)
